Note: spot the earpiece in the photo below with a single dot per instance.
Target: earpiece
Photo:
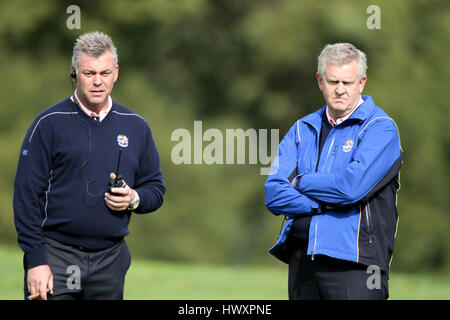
(73, 75)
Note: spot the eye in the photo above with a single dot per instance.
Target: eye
(347, 83)
(106, 73)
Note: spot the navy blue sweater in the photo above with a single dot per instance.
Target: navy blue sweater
(63, 174)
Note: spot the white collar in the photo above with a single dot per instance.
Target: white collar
(103, 113)
(340, 120)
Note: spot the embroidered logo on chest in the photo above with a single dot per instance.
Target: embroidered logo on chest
(122, 140)
(348, 145)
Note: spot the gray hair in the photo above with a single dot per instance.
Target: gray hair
(339, 54)
(94, 44)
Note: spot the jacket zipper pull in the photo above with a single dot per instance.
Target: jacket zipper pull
(334, 151)
(368, 217)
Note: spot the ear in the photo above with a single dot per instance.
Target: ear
(319, 81)
(116, 73)
(73, 74)
(362, 83)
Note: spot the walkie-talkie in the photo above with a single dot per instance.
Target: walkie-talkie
(118, 181)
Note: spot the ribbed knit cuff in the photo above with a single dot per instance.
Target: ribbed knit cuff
(35, 258)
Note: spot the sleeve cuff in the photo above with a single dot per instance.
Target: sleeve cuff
(315, 206)
(298, 180)
(35, 258)
(135, 203)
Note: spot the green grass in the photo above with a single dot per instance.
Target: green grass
(166, 280)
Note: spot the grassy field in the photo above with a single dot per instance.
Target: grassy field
(163, 280)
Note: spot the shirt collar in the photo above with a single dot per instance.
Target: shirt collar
(340, 120)
(101, 115)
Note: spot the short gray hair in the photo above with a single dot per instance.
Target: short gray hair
(94, 44)
(339, 54)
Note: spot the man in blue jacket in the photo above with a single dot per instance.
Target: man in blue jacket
(70, 225)
(335, 180)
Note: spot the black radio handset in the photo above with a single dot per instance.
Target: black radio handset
(117, 182)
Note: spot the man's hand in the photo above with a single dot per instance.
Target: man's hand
(40, 280)
(293, 182)
(296, 182)
(122, 197)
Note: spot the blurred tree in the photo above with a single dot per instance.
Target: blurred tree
(239, 64)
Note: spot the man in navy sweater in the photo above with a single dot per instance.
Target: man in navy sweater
(70, 226)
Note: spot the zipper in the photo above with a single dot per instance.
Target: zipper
(328, 168)
(325, 165)
(315, 239)
(332, 158)
(368, 218)
(334, 150)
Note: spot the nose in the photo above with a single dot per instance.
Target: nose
(340, 89)
(97, 80)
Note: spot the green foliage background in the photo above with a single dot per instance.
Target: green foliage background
(239, 64)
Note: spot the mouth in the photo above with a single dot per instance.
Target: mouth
(96, 92)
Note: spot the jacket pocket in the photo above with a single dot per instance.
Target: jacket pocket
(369, 221)
(332, 158)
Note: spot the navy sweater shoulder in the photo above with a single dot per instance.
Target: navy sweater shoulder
(63, 174)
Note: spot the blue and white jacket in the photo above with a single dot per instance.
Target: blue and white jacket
(352, 196)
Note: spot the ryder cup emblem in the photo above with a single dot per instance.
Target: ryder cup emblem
(348, 145)
(122, 140)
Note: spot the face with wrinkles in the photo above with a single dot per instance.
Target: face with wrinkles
(341, 88)
(95, 79)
